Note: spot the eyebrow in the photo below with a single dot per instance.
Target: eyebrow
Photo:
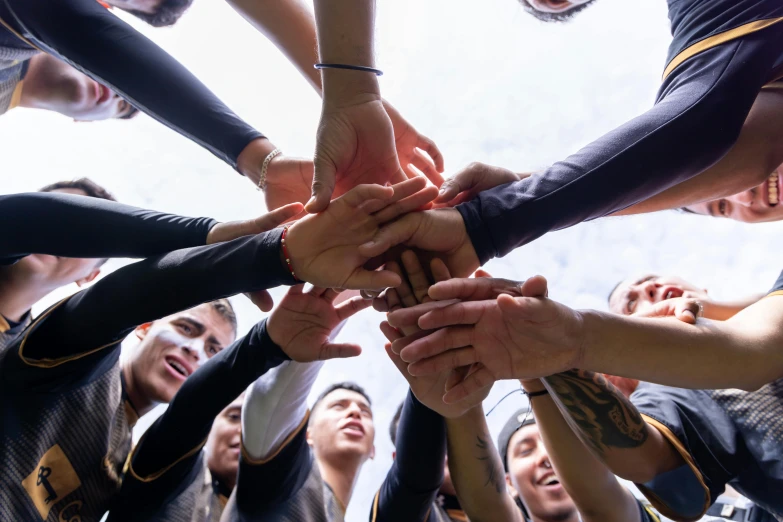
(192, 322)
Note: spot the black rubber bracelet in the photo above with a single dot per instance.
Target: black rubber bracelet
(530, 395)
(376, 72)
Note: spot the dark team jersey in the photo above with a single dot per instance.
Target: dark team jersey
(705, 98)
(287, 487)
(446, 508)
(725, 437)
(89, 37)
(9, 330)
(167, 474)
(65, 433)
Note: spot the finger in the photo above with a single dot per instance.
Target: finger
(418, 201)
(373, 206)
(459, 313)
(429, 146)
(406, 317)
(323, 184)
(399, 344)
(405, 296)
(339, 351)
(362, 193)
(296, 289)
(398, 177)
(262, 299)
(393, 234)
(348, 308)
(370, 294)
(381, 303)
(481, 273)
(277, 217)
(316, 291)
(419, 282)
(331, 294)
(399, 363)
(425, 164)
(535, 286)
(476, 382)
(363, 279)
(440, 272)
(437, 343)
(456, 376)
(444, 362)
(462, 288)
(390, 332)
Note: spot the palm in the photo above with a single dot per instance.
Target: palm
(429, 391)
(442, 233)
(302, 324)
(288, 180)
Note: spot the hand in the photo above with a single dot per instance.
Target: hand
(412, 146)
(355, 145)
(302, 322)
(436, 233)
(467, 183)
(288, 180)
(513, 338)
(684, 309)
(323, 248)
(429, 389)
(478, 288)
(236, 229)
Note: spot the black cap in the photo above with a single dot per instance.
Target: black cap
(523, 417)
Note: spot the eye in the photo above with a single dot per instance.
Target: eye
(631, 306)
(186, 328)
(234, 417)
(212, 351)
(722, 207)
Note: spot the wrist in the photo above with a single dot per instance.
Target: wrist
(532, 385)
(252, 158)
(343, 88)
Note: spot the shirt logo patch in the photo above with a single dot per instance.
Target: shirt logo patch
(51, 480)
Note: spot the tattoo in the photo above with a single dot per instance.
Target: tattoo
(488, 456)
(600, 415)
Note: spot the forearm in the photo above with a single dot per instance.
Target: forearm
(477, 471)
(290, 25)
(183, 427)
(78, 226)
(86, 35)
(159, 286)
(275, 405)
(598, 495)
(644, 349)
(610, 426)
(416, 474)
(725, 310)
(709, 95)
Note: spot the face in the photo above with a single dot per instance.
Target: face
(531, 477)
(73, 93)
(145, 6)
(342, 426)
(555, 6)
(174, 347)
(224, 443)
(640, 294)
(757, 205)
(624, 384)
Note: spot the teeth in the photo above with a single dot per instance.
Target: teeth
(551, 480)
(772, 186)
(668, 295)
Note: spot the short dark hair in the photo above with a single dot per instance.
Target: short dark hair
(167, 13)
(395, 423)
(350, 386)
(563, 16)
(614, 289)
(86, 185)
(225, 309)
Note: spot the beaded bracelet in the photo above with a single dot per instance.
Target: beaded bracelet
(286, 256)
(376, 72)
(265, 167)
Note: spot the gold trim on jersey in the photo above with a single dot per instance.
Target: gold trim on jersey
(457, 514)
(51, 363)
(16, 96)
(52, 480)
(653, 515)
(4, 326)
(686, 456)
(776, 292)
(25, 40)
(375, 506)
(286, 442)
(160, 473)
(718, 39)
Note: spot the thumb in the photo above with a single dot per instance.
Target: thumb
(261, 299)
(535, 286)
(277, 217)
(482, 273)
(448, 190)
(339, 351)
(323, 185)
(686, 310)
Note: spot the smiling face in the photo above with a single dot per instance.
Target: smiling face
(531, 478)
(641, 293)
(224, 443)
(341, 427)
(174, 347)
(759, 204)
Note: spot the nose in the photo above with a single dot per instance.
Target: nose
(354, 411)
(194, 350)
(648, 290)
(743, 198)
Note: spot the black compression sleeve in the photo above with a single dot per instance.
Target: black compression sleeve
(156, 287)
(78, 226)
(89, 37)
(176, 436)
(698, 116)
(416, 475)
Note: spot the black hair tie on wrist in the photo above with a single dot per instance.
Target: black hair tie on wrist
(530, 395)
(376, 72)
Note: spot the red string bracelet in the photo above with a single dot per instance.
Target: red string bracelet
(287, 257)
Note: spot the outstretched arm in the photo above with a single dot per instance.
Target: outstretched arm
(598, 495)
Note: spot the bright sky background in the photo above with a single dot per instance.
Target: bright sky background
(483, 79)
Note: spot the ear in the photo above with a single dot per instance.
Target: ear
(511, 490)
(89, 278)
(394, 455)
(372, 452)
(142, 330)
(309, 438)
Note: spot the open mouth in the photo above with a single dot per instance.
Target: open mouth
(548, 480)
(672, 293)
(102, 93)
(178, 368)
(772, 190)
(354, 429)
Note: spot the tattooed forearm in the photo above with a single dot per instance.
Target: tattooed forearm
(600, 415)
(488, 456)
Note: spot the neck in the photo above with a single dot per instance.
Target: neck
(138, 399)
(17, 297)
(573, 516)
(341, 476)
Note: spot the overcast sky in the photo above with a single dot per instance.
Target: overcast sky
(486, 82)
